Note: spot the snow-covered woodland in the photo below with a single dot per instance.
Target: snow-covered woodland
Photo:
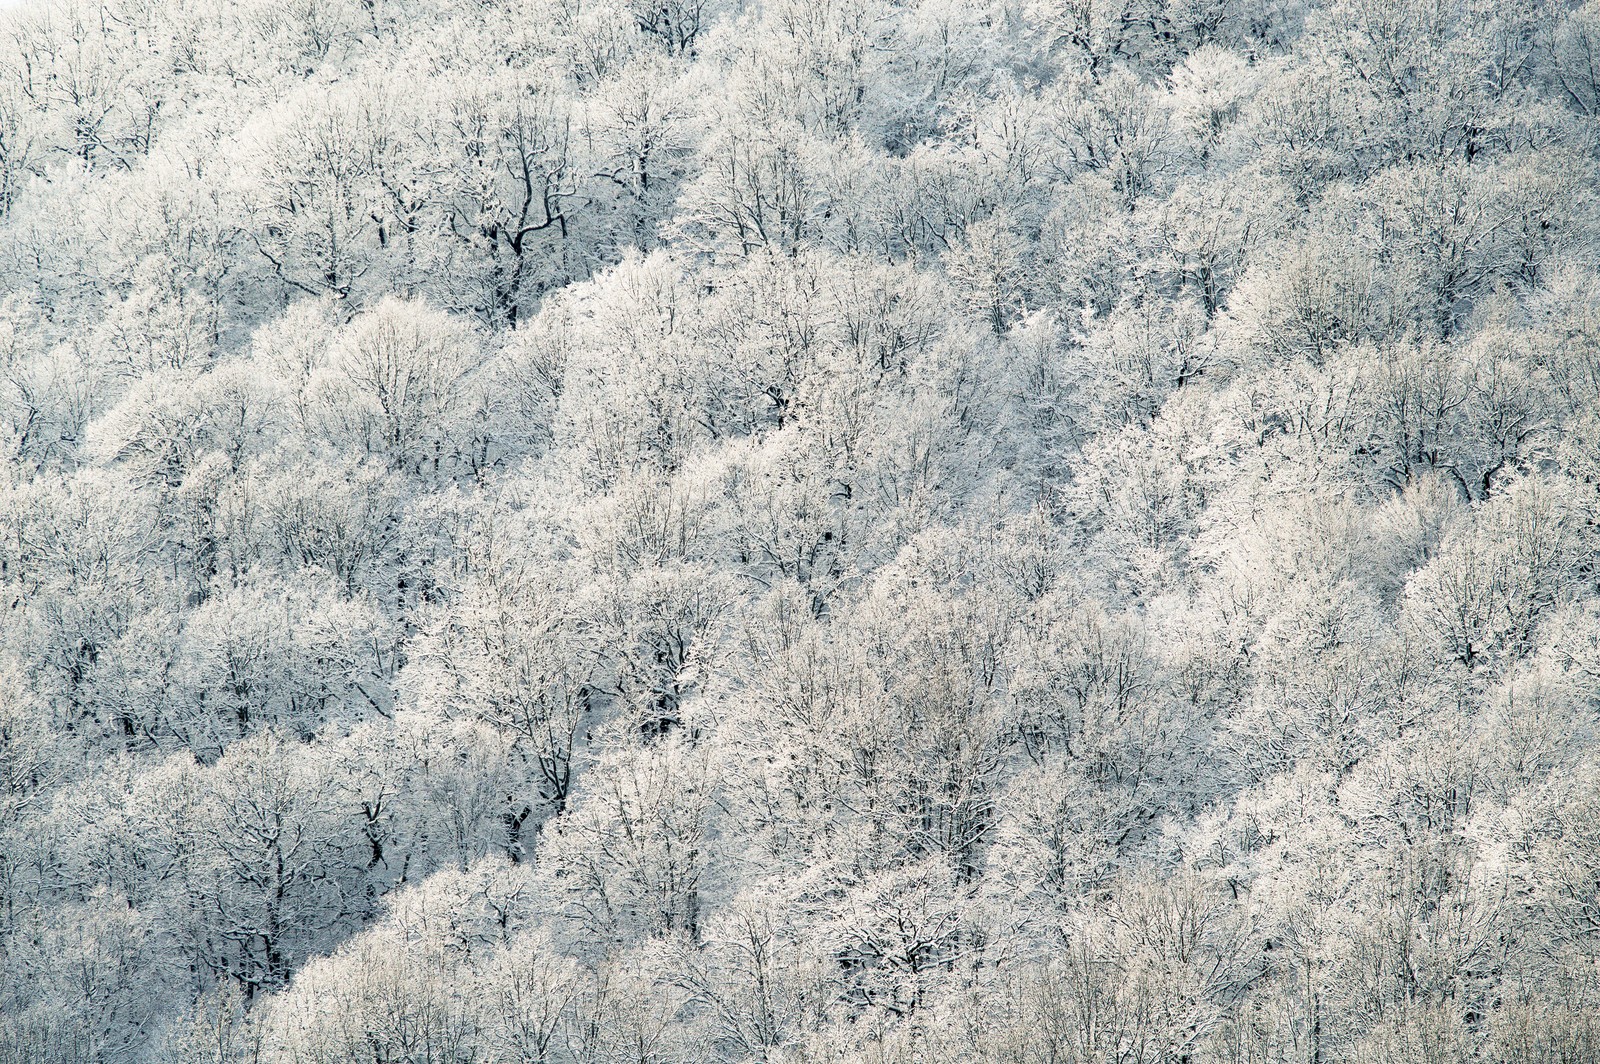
(797, 531)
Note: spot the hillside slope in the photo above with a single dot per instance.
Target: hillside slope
(667, 531)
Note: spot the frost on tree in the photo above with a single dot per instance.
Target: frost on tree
(715, 532)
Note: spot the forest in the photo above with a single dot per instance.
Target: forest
(799, 532)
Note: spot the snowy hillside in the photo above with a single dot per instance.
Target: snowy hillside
(798, 531)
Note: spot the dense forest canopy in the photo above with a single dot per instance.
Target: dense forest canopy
(783, 531)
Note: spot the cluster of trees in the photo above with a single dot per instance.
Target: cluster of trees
(689, 531)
